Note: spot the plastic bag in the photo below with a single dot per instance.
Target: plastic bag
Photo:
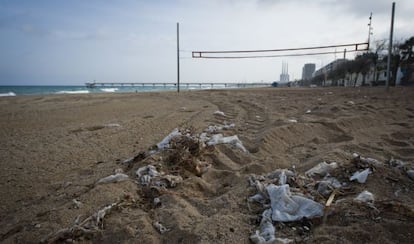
(286, 208)
(360, 176)
(113, 178)
(321, 169)
(233, 140)
(165, 143)
(365, 196)
(266, 232)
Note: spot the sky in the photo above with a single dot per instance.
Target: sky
(60, 42)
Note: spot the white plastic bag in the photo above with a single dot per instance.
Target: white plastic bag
(321, 169)
(113, 178)
(233, 140)
(360, 176)
(165, 143)
(365, 196)
(286, 208)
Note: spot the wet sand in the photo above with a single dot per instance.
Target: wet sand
(53, 149)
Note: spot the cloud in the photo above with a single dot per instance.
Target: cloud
(95, 35)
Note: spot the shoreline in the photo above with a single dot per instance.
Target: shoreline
(48, 90)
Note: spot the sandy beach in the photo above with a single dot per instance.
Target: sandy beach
(55, 148)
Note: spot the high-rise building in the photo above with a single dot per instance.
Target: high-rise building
(307, 71)
(284, 76)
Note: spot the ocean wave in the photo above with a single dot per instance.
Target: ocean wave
(73, 92)
(9, 94)
(109, 89)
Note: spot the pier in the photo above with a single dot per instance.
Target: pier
(165, 84)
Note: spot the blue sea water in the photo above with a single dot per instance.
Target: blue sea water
(43, 90)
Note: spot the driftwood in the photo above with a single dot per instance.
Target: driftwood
(88, 228)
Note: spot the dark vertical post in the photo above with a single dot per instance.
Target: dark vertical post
(345, 53)
(369, 31)
(178, 57)
(390, 47)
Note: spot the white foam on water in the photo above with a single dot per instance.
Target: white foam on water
(73, 92)
(109, 89)
(9, 94)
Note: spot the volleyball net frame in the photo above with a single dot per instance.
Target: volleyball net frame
(284, 52)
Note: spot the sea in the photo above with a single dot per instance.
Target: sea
(45, 90)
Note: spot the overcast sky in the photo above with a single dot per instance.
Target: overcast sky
(60, 42)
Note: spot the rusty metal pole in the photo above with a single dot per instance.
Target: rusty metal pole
(178, 57)
(390, 48)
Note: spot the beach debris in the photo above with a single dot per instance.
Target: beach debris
(396, 163)
(157, 201)
(410, 174)
(360, 176)
(365, 196)
(203, 137)
(76, 203)
(160, 228)
(322, 169)
(287, 207)
(292, 120)
(330, 199)
(218, 112)
(284, 206)
(266, 231)
(217, 128)
(147, 170)
(146, 173)
(369, 161)
(165, 143)
(281, 174)
(327, 185)
(100, 215)
(87, 228)
(140, 156)
(308, 111)
(113, 178)
(233, 140)
(112, 125)
(350, 103)
(168, 181)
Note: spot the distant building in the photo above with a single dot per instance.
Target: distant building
(307, 71)
(329, 67)
(284, 76)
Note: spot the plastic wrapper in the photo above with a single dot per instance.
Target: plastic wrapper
(287, 208)
(360, 176)
(165, 143)
(113, 178)
(321, 169)
(233, 140)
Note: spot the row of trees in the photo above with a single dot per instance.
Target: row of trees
(402, 57)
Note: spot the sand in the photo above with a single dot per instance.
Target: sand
(54, 148)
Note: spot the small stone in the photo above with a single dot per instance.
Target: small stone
(410, 174)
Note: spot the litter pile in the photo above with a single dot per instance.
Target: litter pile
(180, 155)
(288, 199)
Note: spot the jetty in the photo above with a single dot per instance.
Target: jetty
(169, 84)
